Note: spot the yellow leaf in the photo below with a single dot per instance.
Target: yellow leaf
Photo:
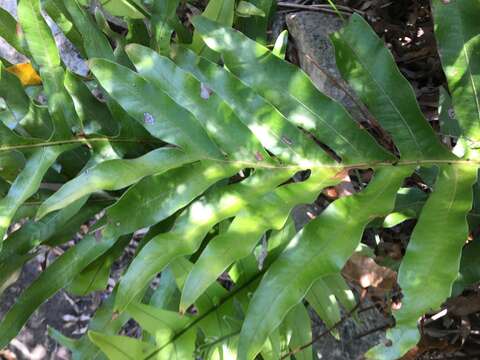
(26, 73)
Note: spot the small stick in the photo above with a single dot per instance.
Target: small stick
(337, 324)
(321, 7)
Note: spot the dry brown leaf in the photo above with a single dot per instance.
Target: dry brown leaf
(366, 272)
(344, 188)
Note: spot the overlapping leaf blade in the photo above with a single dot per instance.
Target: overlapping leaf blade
(214, 114)
(163, 19)
(38, 36)
(159, 196)
(12, 92)
(292, 92)
(220, 11)
(298, 326)
(271, 212)
(113, 175)
(95, 43)
(120, 347)
(8, 26)
(436, 243)
(190, 229)
(157, 112)
(370, 69)
(57, 275)
(26, 184)
(457, 31)
(273, 130)
(320, 249)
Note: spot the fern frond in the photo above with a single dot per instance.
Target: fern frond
(432, 257)
(292, 93)
(208, 158)
(458, 36)
(320, 249)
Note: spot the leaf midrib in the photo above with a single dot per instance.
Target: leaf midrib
(263, 165)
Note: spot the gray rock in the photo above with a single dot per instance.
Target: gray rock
(310, 32)
(69, 54)
(9, 53)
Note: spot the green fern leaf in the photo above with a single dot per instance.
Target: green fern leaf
(315, 253)
(164, 326)
(11, 90)
(95, 43)
(38, 36)
(95, 276)
(175, 188)
(190, 228)
(120, 347)
(271, 212)
(164, 16)
(94, 115)
(320, 298)
(207, 157)
(140, 99)
(436, 244)
(457, 31)
(273, 130)
(26, 184)
(208, 108)
(360, 55)
(8, 26)
(57, 10)
(113, 175)
(297, 324)
(292, 92)
(220, 11)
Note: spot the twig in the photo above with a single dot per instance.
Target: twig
(370, 307)
(321, 8)
(337, 324)
(371, 331)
